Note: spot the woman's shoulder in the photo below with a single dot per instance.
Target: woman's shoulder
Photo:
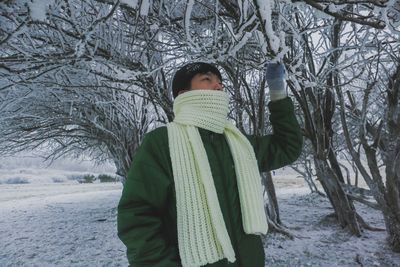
(156, 139)
(157, 133)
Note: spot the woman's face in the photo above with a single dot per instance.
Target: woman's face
(206, 81)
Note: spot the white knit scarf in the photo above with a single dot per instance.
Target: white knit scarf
(202, 234)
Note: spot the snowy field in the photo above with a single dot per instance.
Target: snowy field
(60, 225)
(320, 241)
(65, 224)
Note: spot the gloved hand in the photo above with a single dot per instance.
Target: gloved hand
(275, 75)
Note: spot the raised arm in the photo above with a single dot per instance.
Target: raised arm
(284, 145)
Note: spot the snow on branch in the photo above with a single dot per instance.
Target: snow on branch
(263, 8)
(38, 9)
(380, 3)
(342, 13)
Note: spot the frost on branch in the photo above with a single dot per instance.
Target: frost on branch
(39, 8)
(264, 8)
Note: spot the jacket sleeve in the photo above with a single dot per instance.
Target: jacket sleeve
(285, 144)
(143, 199)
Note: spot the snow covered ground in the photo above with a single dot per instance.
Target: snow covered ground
(60, 225)
(320, 241)
(65, 224)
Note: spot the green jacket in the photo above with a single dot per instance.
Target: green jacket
(147, 209)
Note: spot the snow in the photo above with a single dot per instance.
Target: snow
(80, 48)
(145, 7)
(63, 224)
(60, 225)
(334, 8)
(265, 11)
(320, 241)
(240, 44)
(38, 9)
(188, 13)
(130, 3)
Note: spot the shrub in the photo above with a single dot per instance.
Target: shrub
(87, 178)
(17, 180)
(105, 178)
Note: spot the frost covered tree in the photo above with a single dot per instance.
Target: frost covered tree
(107, 125)
(324, 54)
(317, 101)
(344, 55)
(73, 81)
(374, 113)
(93, 75)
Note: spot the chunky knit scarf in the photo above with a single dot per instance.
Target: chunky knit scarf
(202, 234)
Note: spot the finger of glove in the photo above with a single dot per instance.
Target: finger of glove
(275, 71)
(276, 84)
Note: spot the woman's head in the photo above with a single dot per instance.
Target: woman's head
(195, 76)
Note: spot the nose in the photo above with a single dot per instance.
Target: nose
(218, 86)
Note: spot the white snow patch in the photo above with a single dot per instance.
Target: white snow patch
(130, 3)
(38, 9)
(60, 225)
(145, 7)
(265, 11)
(320, 241)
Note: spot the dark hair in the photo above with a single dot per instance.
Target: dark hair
(184, 75)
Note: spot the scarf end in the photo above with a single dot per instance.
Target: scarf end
(260, 230)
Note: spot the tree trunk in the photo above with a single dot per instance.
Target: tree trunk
(392, 213)
(335, 165)
(344, 208)
(392, 161)
(393, 229)
(273, 208)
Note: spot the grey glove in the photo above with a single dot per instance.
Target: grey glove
(275, 75)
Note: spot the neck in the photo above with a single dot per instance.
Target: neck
(207, 109)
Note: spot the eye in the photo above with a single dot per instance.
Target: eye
(206, 79)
